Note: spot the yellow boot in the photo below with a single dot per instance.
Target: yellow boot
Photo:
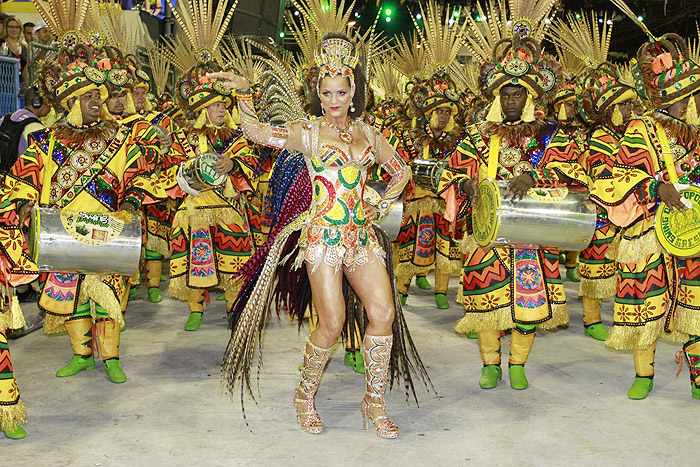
(108, 335)
(644, 366)
(592, 323)
(154, 269)
(520, 346)
(490, 351)
(80, 333)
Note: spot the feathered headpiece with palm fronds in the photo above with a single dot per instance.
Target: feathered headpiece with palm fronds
(668, 73)
(587, 36)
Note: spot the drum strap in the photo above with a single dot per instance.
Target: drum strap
(202, 143)
(494, 151)
(667, 155)
(46, 182)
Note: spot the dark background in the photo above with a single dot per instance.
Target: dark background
(660, 16)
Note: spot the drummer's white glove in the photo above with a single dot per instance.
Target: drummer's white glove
(183, 183)
(680, 187)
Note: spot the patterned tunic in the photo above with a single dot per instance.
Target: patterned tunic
(645, 303)
(503, 286)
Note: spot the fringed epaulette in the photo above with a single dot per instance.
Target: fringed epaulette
(212, 133)
(103, 131)
(446, 143)
(683, 132)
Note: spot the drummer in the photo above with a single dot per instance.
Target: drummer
(212, 238)
(506, 288)
(85, 162)
(426, 241)
(657, 292)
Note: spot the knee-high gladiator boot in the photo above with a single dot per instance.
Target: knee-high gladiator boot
(195, 300)
(373, 407)
(490, 351)
(315, 359)
(442, 281)
(644, 366)
(79, 329)
(154, 270)
(592, 322)
(521, 340)
(692, 356)
(108, 335)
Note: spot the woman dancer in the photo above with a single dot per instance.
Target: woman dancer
(336, 238)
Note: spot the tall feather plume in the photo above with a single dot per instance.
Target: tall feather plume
(466, 75)
(306, 36)
(238, 55)
(694, 46)
(628, 11)
(326, 16)
(569, 62)
(93, 17)
(442, 41)
(180, 53)
(626, 73)
(279, 102)
(387, 80)
(160, 65)
(533, 10)
(115, 27)
(62, 16)
(407, 55)
(201, 28)
(482, 36)
(585, 37)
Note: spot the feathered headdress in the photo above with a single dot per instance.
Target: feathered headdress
(582, 36)
(668, 73)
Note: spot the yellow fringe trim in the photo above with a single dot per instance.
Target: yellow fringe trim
(468, 245)
(598, 288)
(13, 415)
(686, 320)
(635, 337)
(502, 320)
(92, 288)
(613, 250)
(408, 270)
(200, 218)
(54, 325)
(637, 250)
(158, 245)
(423, 205)
(13, 318)
(453, 267)
(560, 317)
(178, 286)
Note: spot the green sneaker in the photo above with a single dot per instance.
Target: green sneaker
(15, 432)
(163, 278)
(357, 363)
(490, 376)
(422, 283)
(402, 298)
(573, 275)
(640, 389)
(113, 370)
(472, 335)
(562, 258)
(596, 331)
(132, 293)
(154, 295)
(77, 364)
(221, 297)
(441, 301)
(517, 377)
(194, 321)
(695, 392)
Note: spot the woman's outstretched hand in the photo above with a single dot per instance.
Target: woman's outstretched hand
(231, 80)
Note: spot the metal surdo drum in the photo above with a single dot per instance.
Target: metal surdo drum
(561, 217)
(85, 242)
(391, 222)
(679, 232)
(426, 172)
(199, 172)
